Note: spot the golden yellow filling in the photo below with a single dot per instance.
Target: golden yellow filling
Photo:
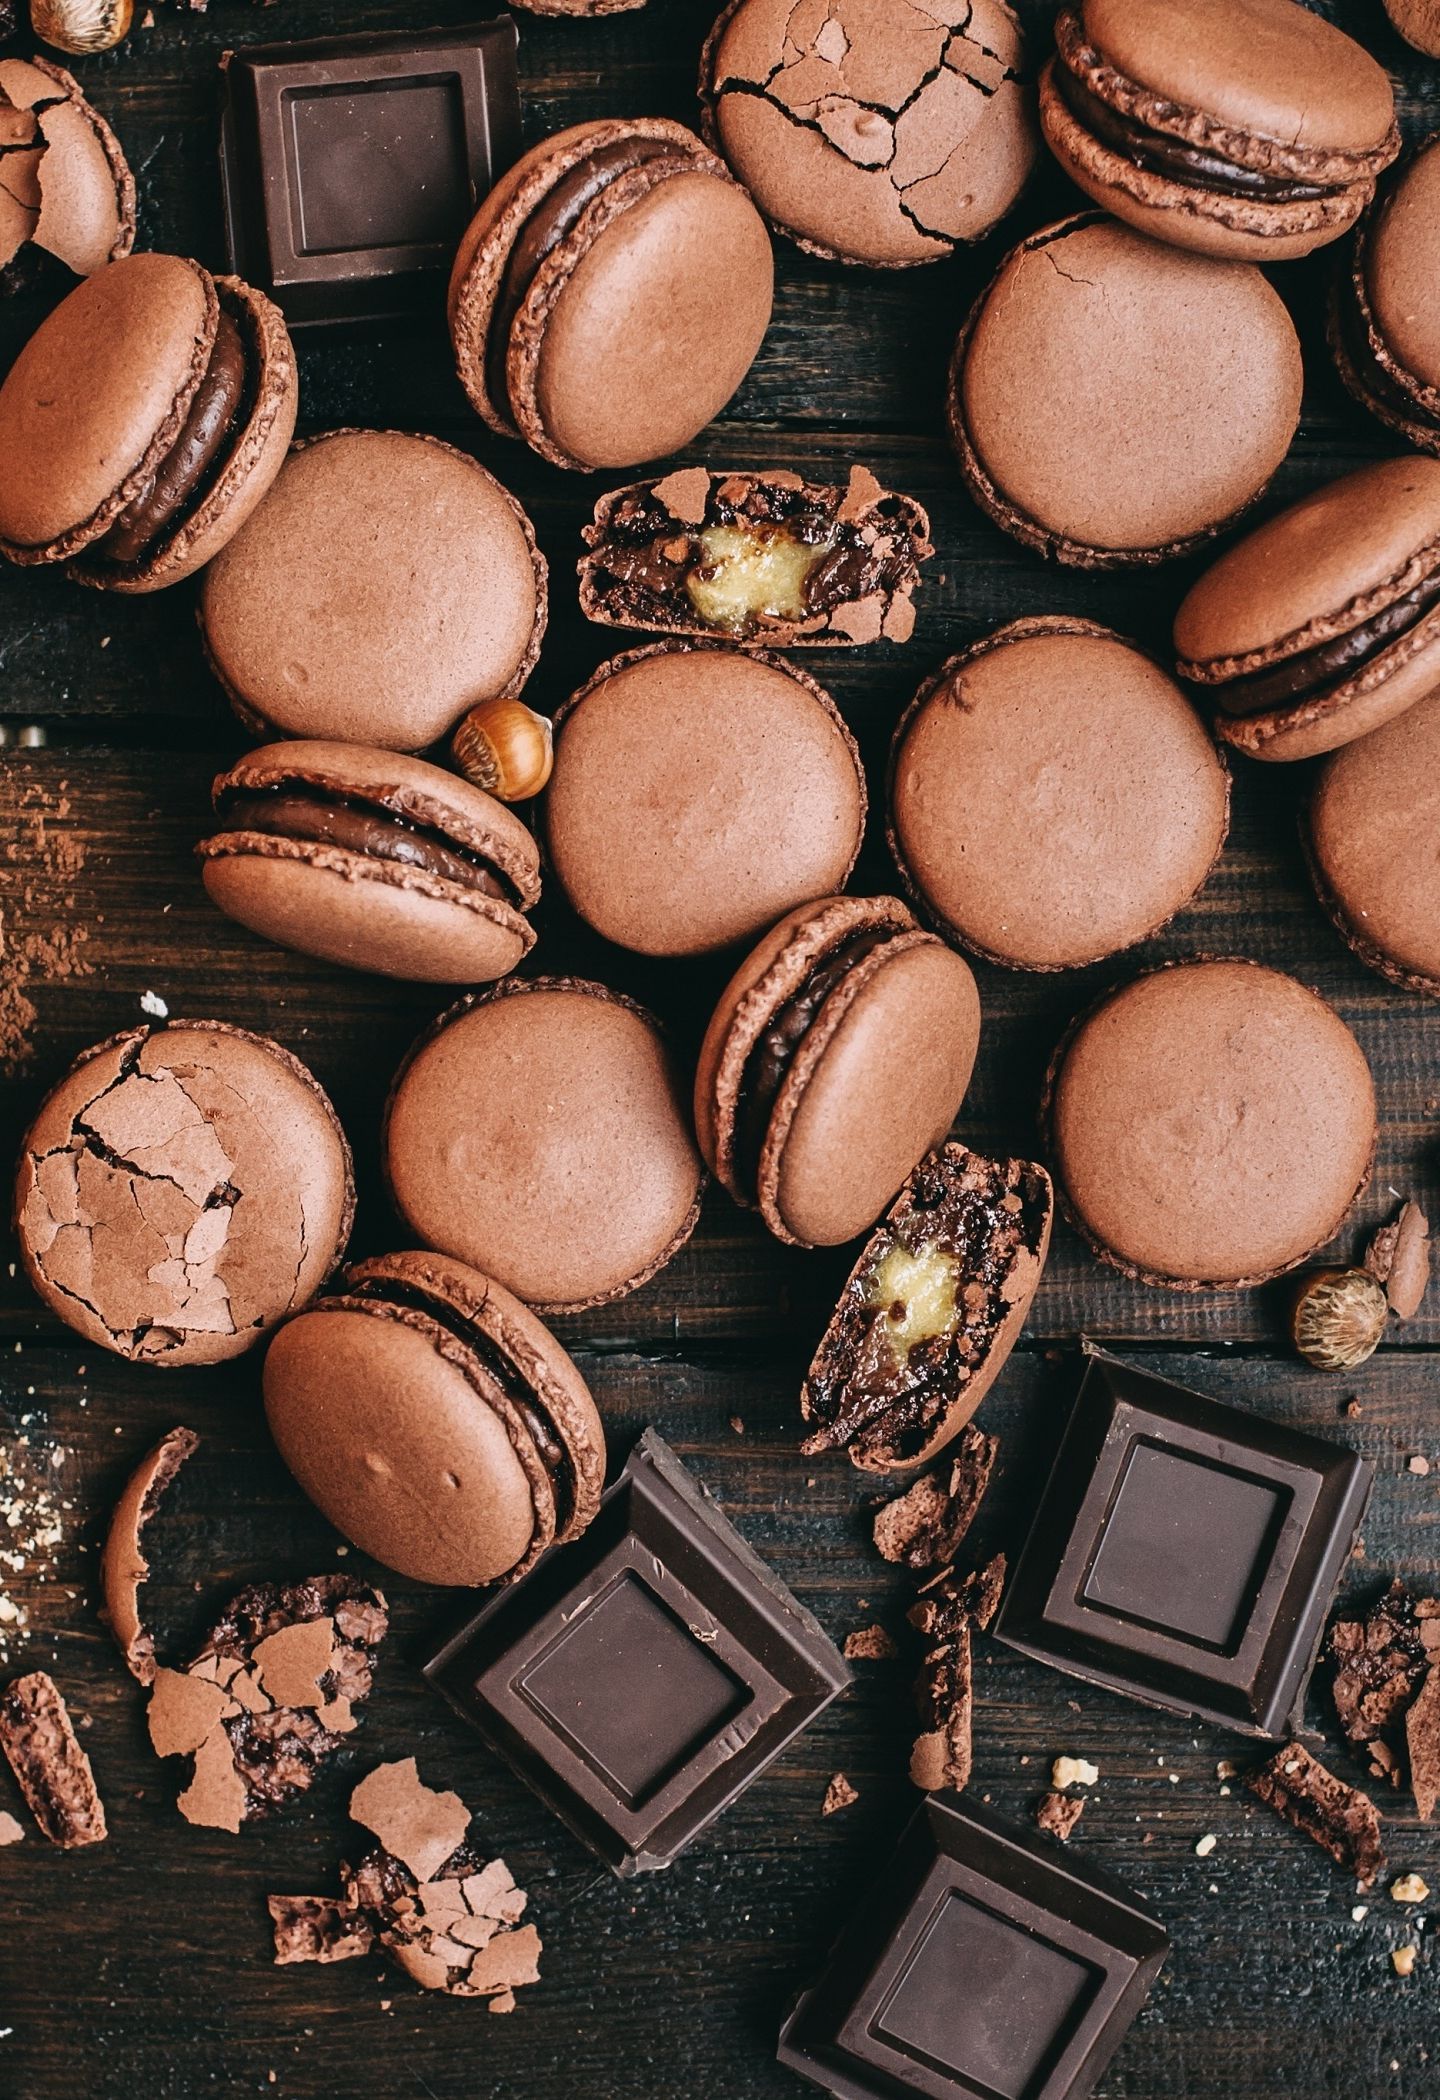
(915, 1288)
(744, 573)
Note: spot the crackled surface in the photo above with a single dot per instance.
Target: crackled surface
(59, 189)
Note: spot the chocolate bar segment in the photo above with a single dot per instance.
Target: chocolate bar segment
(640, 1678)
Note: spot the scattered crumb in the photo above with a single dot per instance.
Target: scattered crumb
(1225, 1770)
(1353, 1410)
(1418, 1464)
(1073, 1771)
(869, 1644)
(32, 1528)
(1359, 1913)
(738, 1425)
(40, 937)
(1057, 1814)
(1409, 1888)
(839, 1794)
(11, 1830)
(1402, 1960)
(151, 1003)
(1205, 1846)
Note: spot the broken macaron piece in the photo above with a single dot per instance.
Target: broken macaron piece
(39, 1743)
(181, 1190)
(373, 859)
(143, 422)
(123, 1567)
(435, 1421)
(766, 558)
(67, 194)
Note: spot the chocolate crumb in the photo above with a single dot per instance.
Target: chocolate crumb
(926, 1526)
(1380, 1663)
(839, 1794)
(52, 1770)
(318, 1928)
(948, 1599)
(1338, 1817)
(11, 1831)
(869, 1644)
(1058, 1814)
(945, 1697)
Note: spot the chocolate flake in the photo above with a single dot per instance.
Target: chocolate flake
(839, 1794)
(948, 1601)
(1380, 1663)
(926, 1526)
(1338, 1817)
(869, 1644)
(53, 1772)
(1057, 1814)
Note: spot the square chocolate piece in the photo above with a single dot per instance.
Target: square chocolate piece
(1186, 1552)
(640, 1678)
(988, 1965)
(352, 165)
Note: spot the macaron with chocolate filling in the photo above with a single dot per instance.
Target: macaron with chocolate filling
(1250, 132)
(610, 294)
(143, 422)
(836, 1057)
(1385, 303)
(1324, 622)
(1114, 402)
(434, 1420)
(372, 859)
(1210, 1124)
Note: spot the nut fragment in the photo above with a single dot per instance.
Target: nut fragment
(1073, 1771)
(1409, 1888)
(1399, 1257)
(81, 25)
(1338, 1318)
(504, 747)
(1403, 1960)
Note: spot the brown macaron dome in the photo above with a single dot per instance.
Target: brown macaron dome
(434, 1420)
(1385, 306)
(387, 584)
(699, 792)
(538, 1129)
(836, 1057)
(1115, 402)
(1054, 796)
(610, 294)
(1324, 622)
(143, 422)
(374, 859)
(1247, 129)
(181, 1190)
(1373, 840)
(1211, 1124)
(881, 132)
(68, 196)
(1418, 21)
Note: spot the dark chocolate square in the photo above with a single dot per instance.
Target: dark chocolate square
(987, 1965)
(640, 1678)
(1185, 1552)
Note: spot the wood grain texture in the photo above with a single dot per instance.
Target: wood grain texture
(142, 1969)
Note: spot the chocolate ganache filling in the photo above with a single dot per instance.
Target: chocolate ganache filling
(177, 485)
(1373, 376)
(1326, 665)
(293, 809)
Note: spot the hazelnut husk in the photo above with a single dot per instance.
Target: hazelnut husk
(81, 25)
(505, 748)
(1338, 1318)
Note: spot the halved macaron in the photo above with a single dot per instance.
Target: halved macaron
(435, 1421)
(373, 859)
(836, 1058)
(1325, 621)
(142, 423)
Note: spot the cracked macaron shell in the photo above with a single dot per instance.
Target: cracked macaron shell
(873, 1084)
(876, 132)
(181, 1190)
(387, 583)
(1271, 87)
(1384, 322)
(623, 347)
(395, 1422)
(1115, 402)
(1305, 578)
(67, 188)
(367, 912)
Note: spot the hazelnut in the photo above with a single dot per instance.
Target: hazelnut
(1338, 1318)
(505, 748)
(81, 25)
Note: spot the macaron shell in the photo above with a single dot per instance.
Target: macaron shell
(86, 190)
(732, 781)
(1390, 684)
(1402, 267)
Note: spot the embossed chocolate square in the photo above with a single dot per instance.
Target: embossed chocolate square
(986, 1965)
(640, 1678)
(1186, 1552)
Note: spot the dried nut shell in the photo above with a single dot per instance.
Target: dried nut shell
(1399, 1257)
(504, 747)
(1338, 1318)
(81, 25)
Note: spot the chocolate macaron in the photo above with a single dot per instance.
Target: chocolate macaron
(373, 859)
(729, 776)
(836, 1058)
(1252, 132)
(884, 134)
(181, 1190)
(1054, 796)
(1385, 306)
(434, 1420)
(387, 584)
(537, 1131)
(143, 422)
(1211, 1124)
(610, 294)
(1324, 622)
(68, 196)
(1115, 402)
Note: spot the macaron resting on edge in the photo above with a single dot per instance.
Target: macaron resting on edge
(1384, 321)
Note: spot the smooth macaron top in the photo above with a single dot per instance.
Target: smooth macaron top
(1115, 400)
(435, 1421)
(387, 583)
(1054, 795)
(1212, 1122)
(538, 1131)
(698, 794)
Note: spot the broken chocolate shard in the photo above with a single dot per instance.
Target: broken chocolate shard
(123, 1568)
(945, 1698)
(926, 1526)
(1338, 1817)
(949, 1601)
(1380, 1662)
(318, 1928)
(51, 1769)
(1057, 1814)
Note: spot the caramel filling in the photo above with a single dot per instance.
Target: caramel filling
(292, 809)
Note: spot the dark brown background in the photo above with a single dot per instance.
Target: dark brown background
(142, 1969)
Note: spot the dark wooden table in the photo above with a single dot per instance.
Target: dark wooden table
(142, 1969)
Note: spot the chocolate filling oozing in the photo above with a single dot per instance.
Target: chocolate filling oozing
(291, 809)
(916, 1321)
(555, 216)
(1315, 669)
(1159, 154)
(181, 479)
(550, 1446)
